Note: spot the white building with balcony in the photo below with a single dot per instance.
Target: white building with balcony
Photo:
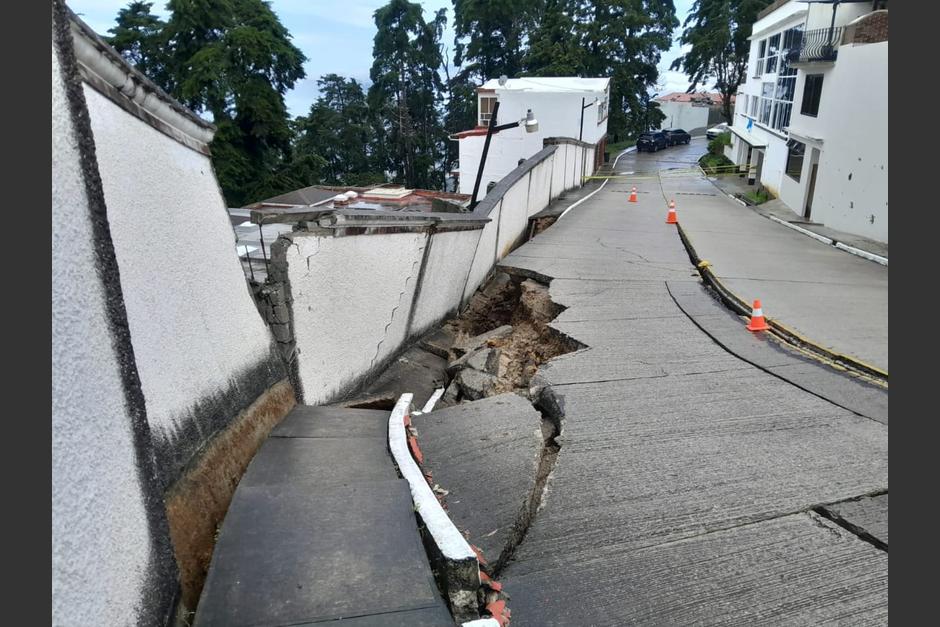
(564, 107)
(811, 121)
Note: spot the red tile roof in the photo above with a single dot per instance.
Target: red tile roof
(699, 97)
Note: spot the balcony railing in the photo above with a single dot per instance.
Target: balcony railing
(820, 44)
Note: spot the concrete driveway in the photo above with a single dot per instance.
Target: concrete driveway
(833, 298)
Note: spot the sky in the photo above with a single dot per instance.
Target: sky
(336, 36)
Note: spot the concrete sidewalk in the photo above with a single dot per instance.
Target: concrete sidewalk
(322, 529)
(835, 299)
(691, 487)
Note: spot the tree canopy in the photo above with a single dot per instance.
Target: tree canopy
(718, 32)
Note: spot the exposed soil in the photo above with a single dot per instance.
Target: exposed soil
(527, 306)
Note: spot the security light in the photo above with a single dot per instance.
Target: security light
(531, 124)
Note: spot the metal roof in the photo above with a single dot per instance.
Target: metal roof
(555, 84)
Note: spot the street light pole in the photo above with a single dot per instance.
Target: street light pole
(531, 126)
(583, 107)
(486, 149)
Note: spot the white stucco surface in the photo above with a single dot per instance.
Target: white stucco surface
(485, 256)
(351, 297)
(514, 216)
(447, 268)
(539, 187)
(506, 149)
(683, 115)
(193, 323)
(100, 537)
(854, 109)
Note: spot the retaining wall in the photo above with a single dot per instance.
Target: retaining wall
(360, 284)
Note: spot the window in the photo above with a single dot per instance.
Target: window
(795, 159)
(766, 102)
(486, 109)
(754, 106)
(761, 53)
(812, 90)
(773, 49)
(603, 109)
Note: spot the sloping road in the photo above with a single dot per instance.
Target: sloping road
(684, 489)
(835, 299)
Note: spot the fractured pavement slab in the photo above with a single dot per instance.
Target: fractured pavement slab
(485, 453)
(867, 515)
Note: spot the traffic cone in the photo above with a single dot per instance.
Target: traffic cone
(671, 216)
(757, 322)
(633, 195)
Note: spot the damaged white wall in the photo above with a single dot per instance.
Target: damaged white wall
(356, 300)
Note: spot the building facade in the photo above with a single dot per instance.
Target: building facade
(569, 107)
(811, 121)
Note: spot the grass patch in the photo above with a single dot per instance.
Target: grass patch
(615, 149)
(715, 164)
(757, 196)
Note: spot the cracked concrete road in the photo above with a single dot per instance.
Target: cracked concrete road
(685, 486)
(835, 299)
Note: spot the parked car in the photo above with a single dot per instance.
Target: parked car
(651, 142)
(677, 136)
(717, 130)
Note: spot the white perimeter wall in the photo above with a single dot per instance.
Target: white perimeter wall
(353, 295)
(193, 323)
(100, 536)
(683, 115)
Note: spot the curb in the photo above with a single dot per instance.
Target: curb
(858, 252)
(736, 304)
(614, 165)
(460, 564)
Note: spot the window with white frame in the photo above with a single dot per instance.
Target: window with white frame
(602, 109)
(753, 111)
(786, 80)
(766, 102)
(773, 49)
(485, 109)
(761, 53)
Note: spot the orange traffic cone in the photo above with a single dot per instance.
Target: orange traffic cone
(757, 322)
(633, 195)
(671, 216)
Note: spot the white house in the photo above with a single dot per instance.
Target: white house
(558, 104)
(811, 121)
(691, 112)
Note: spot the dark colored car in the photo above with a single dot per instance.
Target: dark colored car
(651, 142)
(677, 136)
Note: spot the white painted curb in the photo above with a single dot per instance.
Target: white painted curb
(815, 236)
(483, 622)
(446, 536)
(578, 202)
(863, 253)
(825, 240)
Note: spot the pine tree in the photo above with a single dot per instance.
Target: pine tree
(234, 60)
(137, 37)
(554, 49)
(406, 94)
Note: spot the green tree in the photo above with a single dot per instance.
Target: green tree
(718, 32)
(338, 130)
(496, 35)
(406, 94)
(624, 39)
(235, 60)
(554, 48)
(137, 36)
